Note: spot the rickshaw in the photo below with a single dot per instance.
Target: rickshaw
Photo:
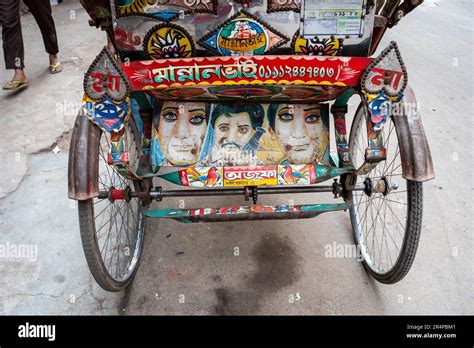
(225, 98)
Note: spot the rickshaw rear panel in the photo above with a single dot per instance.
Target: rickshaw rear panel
(226, 98)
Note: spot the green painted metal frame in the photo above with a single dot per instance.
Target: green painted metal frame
(243, 213)
(375, 151)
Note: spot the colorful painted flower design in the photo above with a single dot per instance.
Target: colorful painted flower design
(168, 41)
(168, 47)
(317, 47)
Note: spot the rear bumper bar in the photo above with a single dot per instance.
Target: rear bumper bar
(241, 213)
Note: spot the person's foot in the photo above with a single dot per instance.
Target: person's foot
(19, 75)
(18, 81)
(54, 65)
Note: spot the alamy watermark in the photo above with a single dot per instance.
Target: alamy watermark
(402, 109)
(13, 251)
(37, 331)
(336, 250)
(68, 108)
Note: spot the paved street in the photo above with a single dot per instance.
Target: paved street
(261, 267)
(34, 208)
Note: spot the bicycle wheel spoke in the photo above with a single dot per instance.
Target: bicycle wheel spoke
(114, 246)
(106, 244)
(396, 219)
(119, 249)
(397, 152)
(386, 244)
(126, 224)
(398, 202)
(385, 232)
(387, 144)
(372, 227)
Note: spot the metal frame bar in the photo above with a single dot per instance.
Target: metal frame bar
(159, 193)
(238, 191)
(246, 213)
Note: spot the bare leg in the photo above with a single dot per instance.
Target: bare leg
(53, 59)
(19, 75)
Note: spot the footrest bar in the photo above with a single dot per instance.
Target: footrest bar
(243, 213)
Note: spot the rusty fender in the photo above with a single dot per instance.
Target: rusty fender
(83, 167)
(417, 164)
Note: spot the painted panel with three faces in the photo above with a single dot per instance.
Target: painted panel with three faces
(204, 134)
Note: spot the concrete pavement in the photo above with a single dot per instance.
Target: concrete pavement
(34, 209)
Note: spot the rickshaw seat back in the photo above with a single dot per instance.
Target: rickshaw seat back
(180, 50)
(169, 29)
(159, 29)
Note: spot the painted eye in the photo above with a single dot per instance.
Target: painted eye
(224, 128)
(243, 130)
(286, 117)
(170, 117)
(313, 118)
(197, 120)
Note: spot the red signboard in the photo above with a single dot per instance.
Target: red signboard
(252, 70)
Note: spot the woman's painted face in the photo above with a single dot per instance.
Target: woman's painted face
(181, 131)
(300, 132)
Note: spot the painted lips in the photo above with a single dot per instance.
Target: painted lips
(302, 147)
(182, 148)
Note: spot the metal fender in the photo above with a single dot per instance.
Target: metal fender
(417, 164)
(83, 168)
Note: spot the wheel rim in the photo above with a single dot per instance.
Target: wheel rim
(379, 216)
(119, 224)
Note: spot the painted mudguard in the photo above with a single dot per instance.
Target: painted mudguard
(83, 159)
(417, 164)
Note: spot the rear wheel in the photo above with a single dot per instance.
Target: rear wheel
(386, 217)
(112, 231)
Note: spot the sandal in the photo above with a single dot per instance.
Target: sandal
(55, 68)
(15, 85)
